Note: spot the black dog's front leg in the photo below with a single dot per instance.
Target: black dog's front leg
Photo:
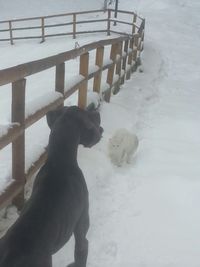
(81, 242)
(81, 252)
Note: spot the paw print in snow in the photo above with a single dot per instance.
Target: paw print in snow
(111, 249)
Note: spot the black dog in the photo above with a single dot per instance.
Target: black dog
(58, 206)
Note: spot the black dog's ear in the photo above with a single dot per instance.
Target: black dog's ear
(52, 116)
(95, 117)
(88, 118)
(94, 131)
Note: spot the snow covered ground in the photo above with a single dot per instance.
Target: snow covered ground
(146, 214)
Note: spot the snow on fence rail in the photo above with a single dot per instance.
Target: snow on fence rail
(10, 28)
(124, 57)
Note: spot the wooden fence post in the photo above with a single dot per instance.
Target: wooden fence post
(143, 30)
(74, 26)
(82, 94)
(116, 9)
(124, 61)
(43, 31)
(99, 63)
(142, 36)
(135, 42)
(60, 79)
(134, 21)
(108, 22)
(119, 60)
(113, 55)
(11, 33)
(118, 67)
(130, 58)
(18, 146)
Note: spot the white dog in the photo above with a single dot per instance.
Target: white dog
(122, 145)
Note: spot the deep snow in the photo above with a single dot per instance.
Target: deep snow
(146, 214)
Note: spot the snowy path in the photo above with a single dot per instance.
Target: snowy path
(146, 214)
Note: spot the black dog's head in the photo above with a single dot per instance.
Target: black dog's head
(88, 123)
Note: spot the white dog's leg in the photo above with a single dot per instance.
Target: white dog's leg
(121, 157)
(119, 161)
(128, 158)
(118, 158)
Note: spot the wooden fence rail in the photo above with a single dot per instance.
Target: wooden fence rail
(10, 26)
(124, 55)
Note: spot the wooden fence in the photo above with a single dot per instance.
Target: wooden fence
(42, 24)
(124, 54)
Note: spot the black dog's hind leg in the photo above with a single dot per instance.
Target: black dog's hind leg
(81, 243)
(47, 262)
(43, 261)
